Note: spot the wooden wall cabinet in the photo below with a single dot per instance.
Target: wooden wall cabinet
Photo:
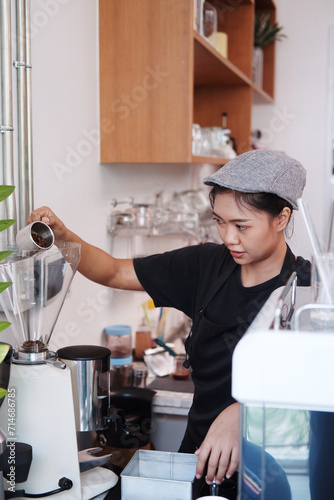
(158, 76)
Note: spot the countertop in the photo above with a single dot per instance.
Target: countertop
(172, 396)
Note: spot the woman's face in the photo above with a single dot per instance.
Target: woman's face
(251, 236)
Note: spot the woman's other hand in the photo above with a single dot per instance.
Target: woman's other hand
(220, 448)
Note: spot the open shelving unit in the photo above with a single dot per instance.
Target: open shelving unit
(158, 76)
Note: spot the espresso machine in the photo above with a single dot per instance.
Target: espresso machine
(45, 413)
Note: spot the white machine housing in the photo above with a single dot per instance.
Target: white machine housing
(45, 419)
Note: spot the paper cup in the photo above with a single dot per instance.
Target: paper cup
(35, 236)
(212, 496)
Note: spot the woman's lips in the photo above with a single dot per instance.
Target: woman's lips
(237, 255)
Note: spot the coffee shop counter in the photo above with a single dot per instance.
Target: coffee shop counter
(170, 408)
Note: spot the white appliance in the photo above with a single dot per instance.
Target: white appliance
(41, 409)
(282, 373)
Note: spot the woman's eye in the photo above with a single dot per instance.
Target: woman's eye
(241, 228)
(218, 221)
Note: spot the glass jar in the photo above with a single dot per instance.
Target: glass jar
(118, 340)
(121, 371)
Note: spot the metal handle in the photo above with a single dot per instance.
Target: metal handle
(292, 282)
(214, 489)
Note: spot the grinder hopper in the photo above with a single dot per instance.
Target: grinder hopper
(40, 281)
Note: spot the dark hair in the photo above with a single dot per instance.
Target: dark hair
(264, 202)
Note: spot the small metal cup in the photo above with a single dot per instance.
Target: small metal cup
(139, 374)
(35, 236)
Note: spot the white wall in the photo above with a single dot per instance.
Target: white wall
(67, 174)
(299, 120)
(69, 178)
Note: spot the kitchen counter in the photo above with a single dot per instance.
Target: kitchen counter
(170, 407)
(171, 402)
(173, 397)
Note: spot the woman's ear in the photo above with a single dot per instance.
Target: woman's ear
(283, 218)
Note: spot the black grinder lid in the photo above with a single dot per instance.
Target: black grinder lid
(84, 352)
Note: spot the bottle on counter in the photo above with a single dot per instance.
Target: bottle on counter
(143, 339)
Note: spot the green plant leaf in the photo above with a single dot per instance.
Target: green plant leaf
(4, 348)
(4, 254)
(4, 325)
(5, 285)
(6, 191)
(3, 392)
(265, 32)
(6, 223)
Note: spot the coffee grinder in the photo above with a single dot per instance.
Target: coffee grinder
(44, 410)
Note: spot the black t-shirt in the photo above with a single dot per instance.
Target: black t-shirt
(183, 279)
(180, 278)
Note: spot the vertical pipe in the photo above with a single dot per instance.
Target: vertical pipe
(22, 67)
(21, 107)
(30, 186)
(7, 114)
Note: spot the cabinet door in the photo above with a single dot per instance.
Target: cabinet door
(146, 84)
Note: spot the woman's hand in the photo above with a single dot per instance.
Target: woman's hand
(96, 264)
(220, 448)
(45, 214)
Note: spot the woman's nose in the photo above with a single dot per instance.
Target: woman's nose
(231, 236)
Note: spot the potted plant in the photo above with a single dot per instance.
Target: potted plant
(5, 191)
(265, 33)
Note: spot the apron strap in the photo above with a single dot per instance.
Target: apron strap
(228, 270)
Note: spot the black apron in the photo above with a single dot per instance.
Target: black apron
(209, 349)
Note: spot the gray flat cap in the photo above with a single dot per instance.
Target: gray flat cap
(262, 171)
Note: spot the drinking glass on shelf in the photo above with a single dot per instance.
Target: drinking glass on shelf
(210, 23)
(196, 139)
(215, 144)
(205, 147)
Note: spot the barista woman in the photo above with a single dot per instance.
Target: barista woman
(221, 287)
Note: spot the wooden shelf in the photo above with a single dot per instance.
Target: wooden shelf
(213, 160)
(211, 68)
(158, 76)
(264, 5)
(260, 96)
(268, 51)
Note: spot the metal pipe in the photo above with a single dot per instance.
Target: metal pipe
(19, 65)
(30, 185)
(22, 65)
(6, 125)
